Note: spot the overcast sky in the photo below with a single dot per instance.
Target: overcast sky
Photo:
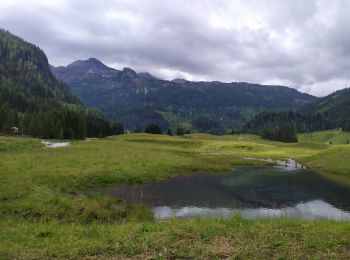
(304, 44)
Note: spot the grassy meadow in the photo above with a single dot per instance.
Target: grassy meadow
(51, 207)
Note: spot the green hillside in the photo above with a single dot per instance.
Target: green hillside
(34, 101)
(335, 107)
(330, 112)
(330, 136)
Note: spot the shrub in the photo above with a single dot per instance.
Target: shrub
(153, 129)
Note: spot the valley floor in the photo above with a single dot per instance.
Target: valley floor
(50, 205)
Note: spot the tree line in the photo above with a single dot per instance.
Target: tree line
(284, 126)
(153, 128)
(58, 123)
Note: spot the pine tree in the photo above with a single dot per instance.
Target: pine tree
(153, 129)
(169, 132)
(61, 134)
(180, 131)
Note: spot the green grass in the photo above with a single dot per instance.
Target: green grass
(331, 136)
(50, 204)
(18, 143)
(193, 239)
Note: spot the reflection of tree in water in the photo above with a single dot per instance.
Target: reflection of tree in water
(274, 188)
(246, 187)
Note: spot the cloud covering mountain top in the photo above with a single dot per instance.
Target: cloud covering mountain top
(302, 44)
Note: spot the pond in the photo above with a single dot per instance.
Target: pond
(252, 192)
(54, 144)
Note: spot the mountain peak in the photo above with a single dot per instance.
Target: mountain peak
(92, 65)
(90, 61)
(94, 60)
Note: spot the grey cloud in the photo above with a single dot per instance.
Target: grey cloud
(301, 43)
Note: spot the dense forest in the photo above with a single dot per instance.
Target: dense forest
(301, 122)
(284, 126)
(33, 102)
(334, 107)
(332, 111)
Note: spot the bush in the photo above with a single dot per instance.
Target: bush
(153, 129)
(169, 132)
(180, 131)
(286, 134)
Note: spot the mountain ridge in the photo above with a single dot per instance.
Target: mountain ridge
(96, 61)
(138, 101)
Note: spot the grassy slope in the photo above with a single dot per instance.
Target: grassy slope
(334, 161)
(50, 205)
(326, 137)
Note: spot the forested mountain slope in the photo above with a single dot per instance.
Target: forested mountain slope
(138, 99)
(332, 111)
(34, 101)
(335, 107)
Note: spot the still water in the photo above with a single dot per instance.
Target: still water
(252, 192)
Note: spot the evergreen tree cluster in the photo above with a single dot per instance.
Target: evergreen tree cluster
(180, 131)
(285, 133)
(283, 126)
(32, 100)
(332, 111)
(346, 126)
(153, 129)
(302, 123)
(335, 107)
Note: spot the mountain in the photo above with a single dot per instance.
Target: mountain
(83, 68)
(137, 100)
(33, 100)
(332, 111)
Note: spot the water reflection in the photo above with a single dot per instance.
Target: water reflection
(249, 191)
(311, 210)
